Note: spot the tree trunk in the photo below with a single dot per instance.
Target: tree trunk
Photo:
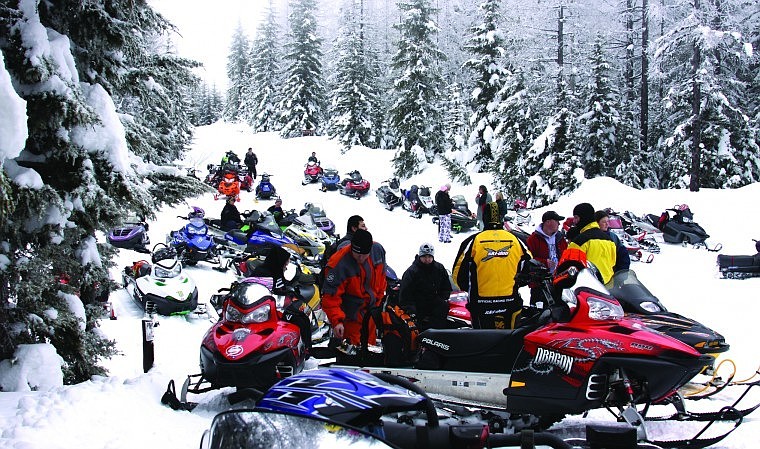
(696, 125)
(629, 47)
(644, 125)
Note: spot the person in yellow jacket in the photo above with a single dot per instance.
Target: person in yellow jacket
(485, 267)
(586, 236)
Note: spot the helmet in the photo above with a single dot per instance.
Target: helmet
(197, 212)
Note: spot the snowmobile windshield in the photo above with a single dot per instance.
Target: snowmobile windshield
(166, 272)
(249, 294)
(394, 184)
(260, 429)
(424, 191)
(356, 176)
(196, 226)
(625, 286)
(603, 307)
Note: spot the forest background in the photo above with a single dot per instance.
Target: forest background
(98, 111)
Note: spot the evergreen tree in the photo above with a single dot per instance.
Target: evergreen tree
(600, 155)
(559, 167)
(513, 137)
(261, 93)
(303, 93)
(454, 120)
(710, 140)
(355, 93)
(76, 174)
(415, 117)
(238, 74)
(487, 47)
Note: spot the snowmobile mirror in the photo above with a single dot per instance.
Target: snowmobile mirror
(262, 429)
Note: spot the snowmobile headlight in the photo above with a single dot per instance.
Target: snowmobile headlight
(600, 309)
(258, 315)
(651, 307)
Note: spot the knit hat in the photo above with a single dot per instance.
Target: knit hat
(445, 188)
(361, 242)
(491, 217)
(585, 212)
(426, 249)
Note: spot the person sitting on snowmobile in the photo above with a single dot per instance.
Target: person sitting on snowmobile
(274, 266)
(425, 290)
(354, 282)
(230, 158)
(313, 158)
(277, 210)
(230, 218)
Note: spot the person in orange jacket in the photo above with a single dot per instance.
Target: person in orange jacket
(354, 282)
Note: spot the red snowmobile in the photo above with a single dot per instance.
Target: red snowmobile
(312, 173)
(355, 185)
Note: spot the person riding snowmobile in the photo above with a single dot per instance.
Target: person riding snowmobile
(230, 218)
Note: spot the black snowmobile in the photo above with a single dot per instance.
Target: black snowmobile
(639, 303)
(740, 267)
(461, 217)
(681, 227)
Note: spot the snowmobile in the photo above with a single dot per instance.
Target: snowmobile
(319, 217)
(681, 228)
(355, 185)
(307, 235)
(632, 244)
(740, 267)
(389, 193)
(518, 217)
(161, 285)
(576, 354)
(643, 231)
(193, 242)
(258, 234)
(639, 303)
(229, 186)
(312, 173)
(265, 190)
(426, 201)
(133, 234)
(259, 338)
(459, 314)
(337, 408)
(330, 179)
(461, 217)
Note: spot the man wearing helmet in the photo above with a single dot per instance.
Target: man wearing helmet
(425, 290)
(485, 267)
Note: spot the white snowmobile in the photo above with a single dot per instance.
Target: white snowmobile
(161, 286)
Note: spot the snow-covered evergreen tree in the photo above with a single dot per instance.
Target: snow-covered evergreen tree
(238, 74)
(709, 137)
(555, 155)
(354, 100)
(488, 64)
(513, 137)
(303, 94)
(261, 94)
(602, 119)
(75, 175)
(415, 117)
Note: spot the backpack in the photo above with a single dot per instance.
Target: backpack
(398, 332)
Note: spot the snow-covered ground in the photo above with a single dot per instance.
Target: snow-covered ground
(124, 409)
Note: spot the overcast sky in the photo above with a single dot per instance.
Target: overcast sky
(206, 29)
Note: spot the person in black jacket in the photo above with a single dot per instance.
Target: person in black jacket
(444, 205)
(250, 161)
(425, 289)
(230, 218)
(274, 266)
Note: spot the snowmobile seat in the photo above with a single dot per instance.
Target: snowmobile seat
(238, 235)
(746, 264)
(471, 350)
